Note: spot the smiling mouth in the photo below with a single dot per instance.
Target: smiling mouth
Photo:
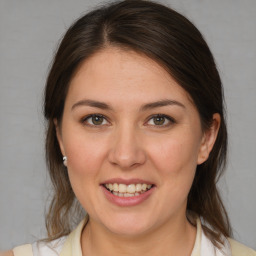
(130, 190)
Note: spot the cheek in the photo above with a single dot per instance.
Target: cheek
(174, 156)
(176, 162)
(85, 155)
(85, 159)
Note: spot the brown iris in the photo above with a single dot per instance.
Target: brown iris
(97, 120)
(159, 120)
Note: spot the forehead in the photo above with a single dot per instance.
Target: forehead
(122, 74)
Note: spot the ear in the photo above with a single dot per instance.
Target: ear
(59, 136)
(209, 139)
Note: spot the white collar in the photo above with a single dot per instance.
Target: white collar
(208, 249)
(202, 247)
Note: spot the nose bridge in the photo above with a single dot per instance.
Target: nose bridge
(126, 150)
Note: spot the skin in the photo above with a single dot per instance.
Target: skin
(129, 144)
(7, 253)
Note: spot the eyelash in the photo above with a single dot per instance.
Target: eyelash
(170, 120)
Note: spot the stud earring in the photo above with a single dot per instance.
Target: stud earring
(65, 159)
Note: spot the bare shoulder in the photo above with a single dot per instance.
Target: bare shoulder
(7, 253)
(239, 249)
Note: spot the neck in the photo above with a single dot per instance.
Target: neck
(174, 238)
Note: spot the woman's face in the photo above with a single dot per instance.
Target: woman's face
(133, 139)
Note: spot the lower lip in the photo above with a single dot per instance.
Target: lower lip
(127, 201)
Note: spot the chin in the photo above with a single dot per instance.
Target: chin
(128, 231)
(128, 226)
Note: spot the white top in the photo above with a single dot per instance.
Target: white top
(70, 245)
(48, 249)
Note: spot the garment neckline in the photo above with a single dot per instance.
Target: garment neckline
(72, 245)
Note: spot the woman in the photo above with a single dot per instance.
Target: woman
(136, 135)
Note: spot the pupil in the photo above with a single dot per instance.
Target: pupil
(159, 120)
(97, 120)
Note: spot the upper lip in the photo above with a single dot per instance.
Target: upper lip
(127, 181)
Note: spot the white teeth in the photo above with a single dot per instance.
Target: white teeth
(130, 188)
(123, 190)
(128, 195)
(144, 187)
(115, 187)
(138, 187)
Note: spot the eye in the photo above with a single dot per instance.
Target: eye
(160, 120)
(95, 120)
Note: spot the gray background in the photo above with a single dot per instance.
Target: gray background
(29, 32)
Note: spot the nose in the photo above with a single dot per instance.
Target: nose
(127, 150)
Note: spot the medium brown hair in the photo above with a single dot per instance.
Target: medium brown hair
(170, 39)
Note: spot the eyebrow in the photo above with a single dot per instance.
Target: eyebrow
(152, 105)
(161, 103)
(92, 103)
